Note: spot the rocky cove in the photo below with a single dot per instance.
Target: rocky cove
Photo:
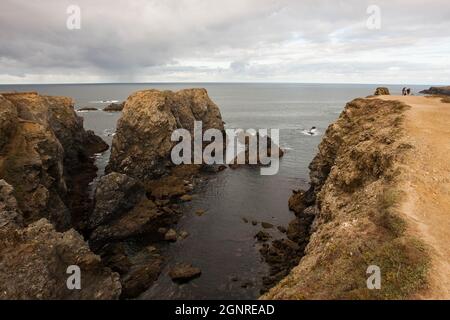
(124, 239)
(47, 168)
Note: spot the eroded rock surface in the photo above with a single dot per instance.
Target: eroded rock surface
(141, 147)
(34, 259)
(45, 154)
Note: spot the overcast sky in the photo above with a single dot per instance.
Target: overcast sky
(233, 40)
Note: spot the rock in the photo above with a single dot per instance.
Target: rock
(10, 215)
(143, 220)
(254, 222)
(186, 197)
(46, 156)
(437, 90)
(144, 271)
(266, 225)
(116, 193)
(137, 270)
(171, 235)
(251, 159)
(282, 229)
(34, 261)
(162, 231)
(87, 109)
(263, 236)
(114, 107)
(184, 272)
(95, 144)
(245, 220)
(142, 145)
(183, 235)
(381, 91)
(200, 212)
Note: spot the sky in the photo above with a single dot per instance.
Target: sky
(306, 41)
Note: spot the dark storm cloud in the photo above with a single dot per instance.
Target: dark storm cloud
(204, 40)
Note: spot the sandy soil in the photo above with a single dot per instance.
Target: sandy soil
(427, 185)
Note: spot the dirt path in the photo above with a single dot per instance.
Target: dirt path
(428, 185)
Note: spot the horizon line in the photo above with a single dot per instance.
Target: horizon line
(217, 82)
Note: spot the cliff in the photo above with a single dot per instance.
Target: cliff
(437, 91)
(45, 154)
(349, 219)
(46, 165)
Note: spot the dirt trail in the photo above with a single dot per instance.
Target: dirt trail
(427, 185)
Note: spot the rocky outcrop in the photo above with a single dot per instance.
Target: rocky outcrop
(116, 193)
(347, 220)
(45, 154)
(142, 144)
(122, 211)
(382, 91)
(114, 107)
(437, 91)
(34, 259)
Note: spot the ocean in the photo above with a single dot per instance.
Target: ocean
(220, 243)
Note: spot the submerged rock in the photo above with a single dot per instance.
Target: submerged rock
(263, 236)
(184, 272)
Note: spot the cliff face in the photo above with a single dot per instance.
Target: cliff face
(141, 147)
(43, 150)
(45, 169)
(352, 197)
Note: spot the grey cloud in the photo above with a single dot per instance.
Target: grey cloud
(204, 40)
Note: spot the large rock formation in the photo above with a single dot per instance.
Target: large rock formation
(45, 155)
(437, 91)
(382, 91)
(34, 259)
(141, 147)
(347, 218)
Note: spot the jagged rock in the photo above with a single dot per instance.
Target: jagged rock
(143, 220)
(146, 268)
(45, 156)
(114, 107)
(381, 91)
(88, 109)
(34, 261)
(10, 215)
(116, 193)
(142, 144)
(184, 272)
(437, 90)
